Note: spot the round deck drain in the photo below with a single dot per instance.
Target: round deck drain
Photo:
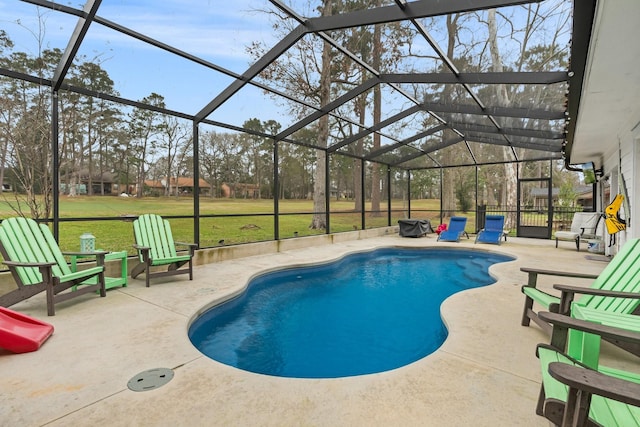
(150, 380)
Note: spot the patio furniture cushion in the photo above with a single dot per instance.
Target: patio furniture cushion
(583, 226)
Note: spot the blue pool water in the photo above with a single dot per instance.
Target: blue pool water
(368, 312)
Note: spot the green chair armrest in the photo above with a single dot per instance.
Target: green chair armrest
(598, 292)
(28, 264)
(533, 274)
(545, 298)
(559, 273)
(569, 292)
(562, 323)
(191, 246)
(82, 274)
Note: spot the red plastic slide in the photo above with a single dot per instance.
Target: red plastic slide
(20, 333)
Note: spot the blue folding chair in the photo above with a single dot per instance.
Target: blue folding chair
(493, 230)
(455, 231)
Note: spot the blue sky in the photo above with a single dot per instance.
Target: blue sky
(210, 29)
(215, 30)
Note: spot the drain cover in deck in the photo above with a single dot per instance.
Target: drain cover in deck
(150, 380)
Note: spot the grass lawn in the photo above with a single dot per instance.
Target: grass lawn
(251, 221)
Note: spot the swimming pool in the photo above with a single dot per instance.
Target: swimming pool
(365, 313)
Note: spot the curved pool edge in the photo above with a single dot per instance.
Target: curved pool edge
(446, 312)
(336, 258)
(296, 264)
(242, 288)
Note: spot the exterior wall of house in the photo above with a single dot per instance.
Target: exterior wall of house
(634, 185)
(622, 167)
(627, 182)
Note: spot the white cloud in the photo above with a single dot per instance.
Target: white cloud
(214, 32)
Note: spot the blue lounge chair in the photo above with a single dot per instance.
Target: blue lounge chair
(455, 231)
(493, 230)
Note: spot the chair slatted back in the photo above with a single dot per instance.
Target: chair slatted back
(23, 240)
(622, 274)
(154, 232)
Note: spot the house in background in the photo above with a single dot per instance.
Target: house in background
(99, 183)
(176, 185)
(240, 191)
(541, 195)
(584, 197)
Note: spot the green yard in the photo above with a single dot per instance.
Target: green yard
(250, 221)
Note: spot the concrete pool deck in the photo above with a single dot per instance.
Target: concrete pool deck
(485, 374)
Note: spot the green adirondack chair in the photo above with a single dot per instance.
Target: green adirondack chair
(155, 246)
(613, 290)
(586, 347)
(573, 394)
(37, 264)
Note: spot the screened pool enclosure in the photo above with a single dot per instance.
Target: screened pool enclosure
(265, 115)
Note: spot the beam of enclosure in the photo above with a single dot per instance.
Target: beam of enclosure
(329, 108)
(382, 124)
(55, 161)
(153, 42)
(439, 146)
(58, 7)
(495, 111)
(413, 10)
(466, 165)
(262, 63)
(401, 3)
(326, 109)
(137, 104)
(134, 34)
(471, 153)
(358, 90)
(449, 63)
(358, 60)
(404, 142)
(583, 15)
(339, 47)
(531, 133)
(69, 54)
(551, 148)
(196, 181)
(510, 78)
